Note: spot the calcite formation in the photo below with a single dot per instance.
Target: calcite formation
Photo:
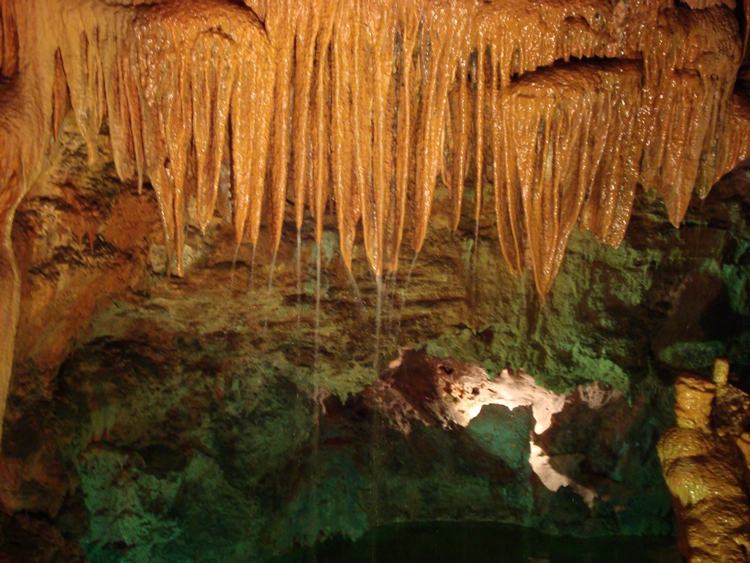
(198, 393)
(360, 107)
(706, 469)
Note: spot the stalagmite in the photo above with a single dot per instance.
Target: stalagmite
(370, 104)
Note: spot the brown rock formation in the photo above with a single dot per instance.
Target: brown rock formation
(704, 470)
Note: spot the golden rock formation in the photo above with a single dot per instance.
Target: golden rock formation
(357, 108)
(705, 471)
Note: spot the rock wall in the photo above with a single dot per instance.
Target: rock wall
(218, 416)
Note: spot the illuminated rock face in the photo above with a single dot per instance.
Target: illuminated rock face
(418, 388)
(705, 470)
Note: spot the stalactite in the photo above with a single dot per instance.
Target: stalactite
(344, 187)
(212, 75)
(690, 64)
(479, 109)
(250, 133)
(508, 177)
(321, 150)
(734, 145)
(330, 91)
(440, 47)
(60, 98)
(172, 92)
(378, 36)
(461, 121)
(281, 28)
(83, 69)
(8, 39)
(616, 147)
(361, 111)
(307, 31)
(409, 29)
(565, 150)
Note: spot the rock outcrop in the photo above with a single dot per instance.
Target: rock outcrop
(705, 470)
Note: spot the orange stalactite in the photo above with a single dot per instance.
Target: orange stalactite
(342, 164)
(461, 138)
(280, 26)
(304, 59)
(320, 145)
(364, 102)
(409, 25)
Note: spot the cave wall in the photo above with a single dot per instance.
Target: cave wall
(123, 428)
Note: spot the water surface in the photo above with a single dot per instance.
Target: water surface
(483, 543)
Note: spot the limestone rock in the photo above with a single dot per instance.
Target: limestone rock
(706, 475)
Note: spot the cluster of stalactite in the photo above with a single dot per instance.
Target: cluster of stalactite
(360, 108)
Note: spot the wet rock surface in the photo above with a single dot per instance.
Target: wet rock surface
(174, 419)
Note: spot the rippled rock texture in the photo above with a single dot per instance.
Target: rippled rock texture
(705, 463)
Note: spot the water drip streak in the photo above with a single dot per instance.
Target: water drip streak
(252, 270)
(403, 296)
(474, 272)
(271, 271)
(317, 304)
(234, 265)
(299, 279)
(378, 314)
(357, 293)
(314, 458)
(390, 298)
